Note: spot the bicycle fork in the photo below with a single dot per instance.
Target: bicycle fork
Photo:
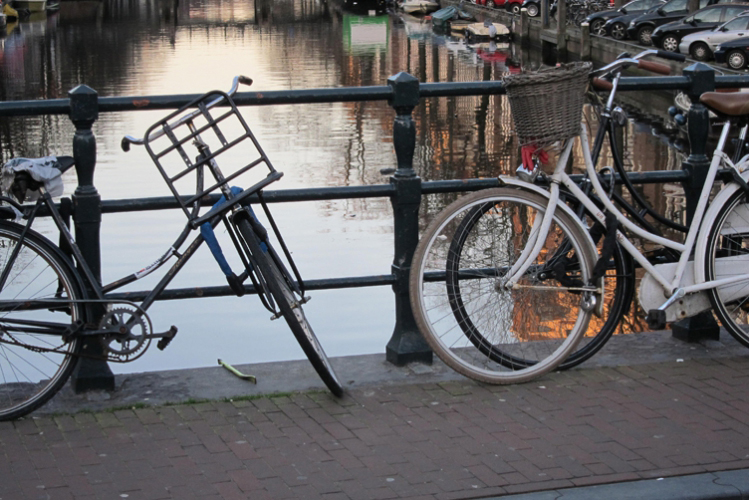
(538, 236)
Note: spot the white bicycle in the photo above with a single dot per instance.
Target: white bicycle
(504, 281)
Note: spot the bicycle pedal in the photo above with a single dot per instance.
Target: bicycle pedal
(656, 319)
(166, 337)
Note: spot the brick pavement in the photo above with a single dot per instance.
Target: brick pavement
(448, 440)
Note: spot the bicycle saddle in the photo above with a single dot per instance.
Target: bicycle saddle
(731, 104)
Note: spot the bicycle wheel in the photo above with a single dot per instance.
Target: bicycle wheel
(35, 362)
(618, 285)
(728, 254)
(476, 325)
(290, 308)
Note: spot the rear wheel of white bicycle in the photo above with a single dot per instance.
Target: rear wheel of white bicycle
(290, 307)
(472, 321)
(728, 255)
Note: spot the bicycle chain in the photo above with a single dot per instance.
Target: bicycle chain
(57, 350)
(114, 359)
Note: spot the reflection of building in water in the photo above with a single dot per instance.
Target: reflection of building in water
(301, 44)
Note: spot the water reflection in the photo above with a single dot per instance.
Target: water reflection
(151, 47)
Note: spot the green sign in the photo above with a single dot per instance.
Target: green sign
(365, 34)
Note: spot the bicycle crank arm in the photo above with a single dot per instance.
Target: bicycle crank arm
(165, 337)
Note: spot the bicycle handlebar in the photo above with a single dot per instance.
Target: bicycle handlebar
(601, 84)
(128, 139)
(611, 70)
(655, 67)
(671, 55)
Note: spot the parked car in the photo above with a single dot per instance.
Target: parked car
(616, 28)
(642, 27)
(597, 20)
(734, 54)
(583, 7)
(668, 36)
(533, 6)
(701, 45)
(511, 5)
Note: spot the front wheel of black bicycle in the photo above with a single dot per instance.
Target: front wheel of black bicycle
(618, 283)
(39, 297)
(291, 309)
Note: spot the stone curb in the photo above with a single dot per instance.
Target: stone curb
(725, 485)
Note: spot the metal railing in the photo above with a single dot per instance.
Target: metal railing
(405, 189)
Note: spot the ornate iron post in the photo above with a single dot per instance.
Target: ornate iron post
(406, 344)
(702, 79)
(90, 373)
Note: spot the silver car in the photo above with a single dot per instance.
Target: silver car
(701, 45)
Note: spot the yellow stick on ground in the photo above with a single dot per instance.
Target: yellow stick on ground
(236, 372)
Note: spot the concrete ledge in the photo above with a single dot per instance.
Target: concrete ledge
(372, 370)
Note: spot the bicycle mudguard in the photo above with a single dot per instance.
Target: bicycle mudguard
(700, 245)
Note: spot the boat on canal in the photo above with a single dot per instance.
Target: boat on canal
(419, 6)
(477, 32)
(452, 18)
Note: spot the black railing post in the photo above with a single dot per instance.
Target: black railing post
(702, 76)
(90, 373)
(406, 345)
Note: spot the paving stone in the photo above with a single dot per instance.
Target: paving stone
(412, 439)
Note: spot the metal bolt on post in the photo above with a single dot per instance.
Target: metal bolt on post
(406, 344)
(90, 373)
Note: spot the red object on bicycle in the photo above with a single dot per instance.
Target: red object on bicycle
(527, 153)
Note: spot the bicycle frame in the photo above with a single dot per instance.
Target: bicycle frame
(100, 291)
(673, 288)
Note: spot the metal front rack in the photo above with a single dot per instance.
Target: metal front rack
(213, 126)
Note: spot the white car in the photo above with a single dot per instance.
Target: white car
(702, 44)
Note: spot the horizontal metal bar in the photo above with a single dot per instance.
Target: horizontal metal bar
(279, 196)
(371, 191)
(326, 95)
(35, 107)
(225, 291)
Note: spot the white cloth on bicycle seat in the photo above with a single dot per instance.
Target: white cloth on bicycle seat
(40, 169)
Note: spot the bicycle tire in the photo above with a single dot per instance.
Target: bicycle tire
(28, 378)
(508, 313)
(290, 308)
(729, 238)
(618, 283)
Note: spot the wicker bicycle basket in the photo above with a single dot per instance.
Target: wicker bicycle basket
(547, 105)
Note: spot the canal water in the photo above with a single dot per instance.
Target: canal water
(153, 47)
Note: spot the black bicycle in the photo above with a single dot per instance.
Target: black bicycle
(49, 308)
